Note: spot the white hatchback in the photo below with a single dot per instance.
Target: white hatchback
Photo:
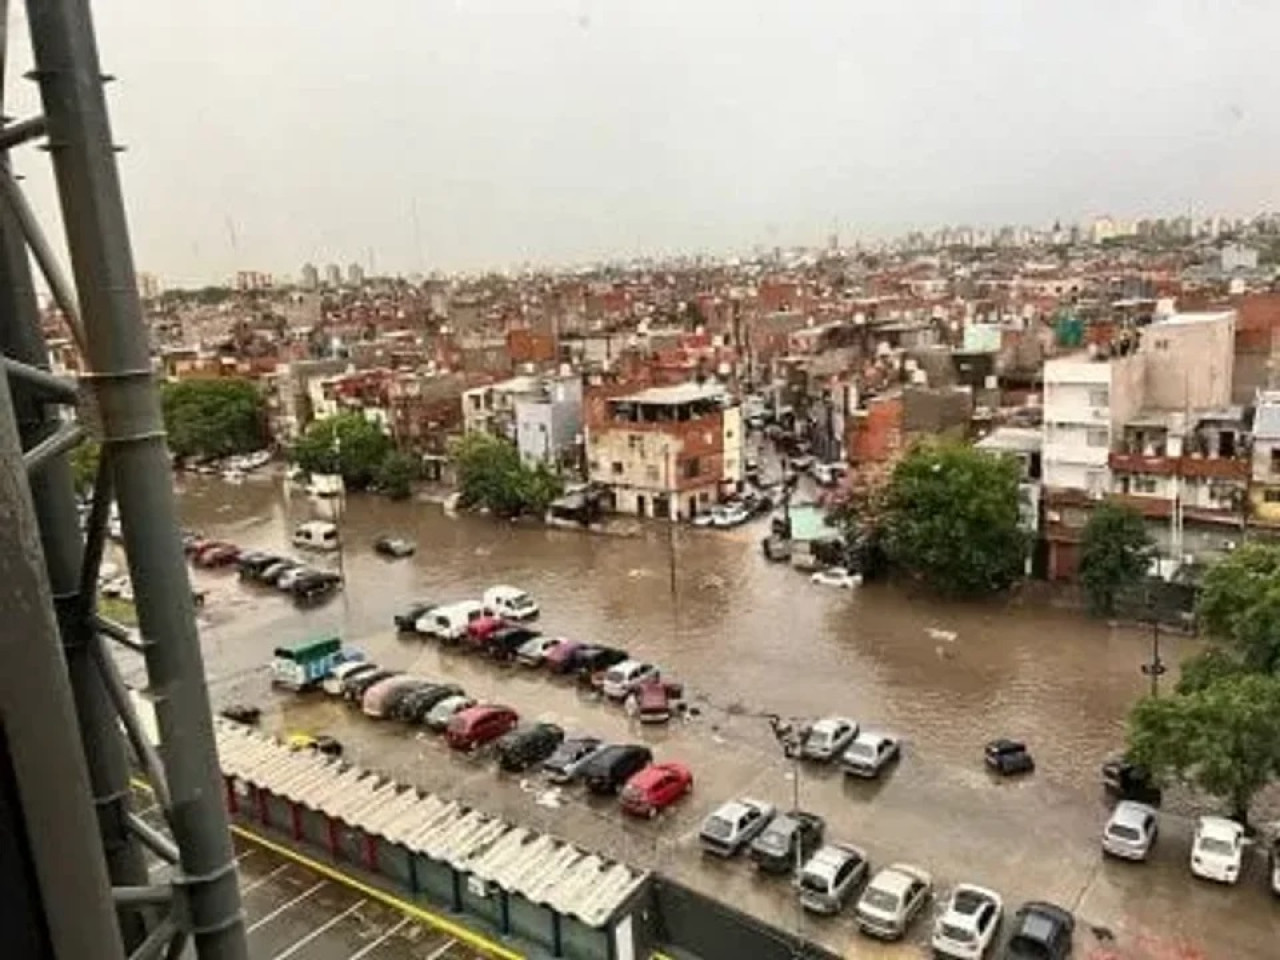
(1217, 850)
(968, 923)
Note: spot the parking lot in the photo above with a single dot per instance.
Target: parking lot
(295, 912)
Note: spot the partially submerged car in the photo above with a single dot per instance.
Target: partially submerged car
(608, 770)
(840, 577)
(407, 620)
(510, 602)
(733, 825)
(534, 651)
(622, 678)
(524, 747)
(1127, 780)
(830, 876)
(968, 923)
(394, 547)
(1008, 757)
(655, 788)
(869, 754)
(438, 717)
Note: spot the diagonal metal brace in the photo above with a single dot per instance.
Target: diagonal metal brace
(66, 437)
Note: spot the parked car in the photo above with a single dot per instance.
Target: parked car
(526, 746)
(892, 899)
(837, 577)
(419, 703)
(829, 876)
(285, 580)
(827, 737)
(476, 726)
(869, 753)
(534, 651)
(594, 659)
(450, 621)
(315, 585)
(1217, 849)
(564, 765)
(407, 620)
(329, 746)
(968, 924)
(654, 700)
(829, 474)
(381, 699)
(613, 766)
(118, 588)
(559, 659)
(733, 825)
(503, 643)
(1040, 931)
(1129, 781)
(216, 554)
(394, 547)
(354, 686)
(439, 716)
(316, 535)
(241, 713)
(787, 841)
(622, 678)
(1008, 757)
(1131, 831)
(509, 602)
(655, 788)
(479, 629)
(709, 518)
(272, 573)
(333, 683)
(731, 515)
(251, 564)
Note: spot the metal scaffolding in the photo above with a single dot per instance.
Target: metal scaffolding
(67, 730)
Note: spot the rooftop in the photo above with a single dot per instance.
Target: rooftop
(1012, 440)
(679, 393)
(1184, 319)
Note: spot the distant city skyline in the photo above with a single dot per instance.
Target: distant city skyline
(440, 134)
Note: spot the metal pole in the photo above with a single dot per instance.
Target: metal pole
(71, 80)
(40, 726)
(53, 494)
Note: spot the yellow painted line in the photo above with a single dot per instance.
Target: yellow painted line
(457, 931)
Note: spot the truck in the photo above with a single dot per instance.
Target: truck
(304, 665)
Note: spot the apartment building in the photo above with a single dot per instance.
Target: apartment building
(1264, 491)
(669, 451)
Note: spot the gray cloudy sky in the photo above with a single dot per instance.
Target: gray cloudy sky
(563, 130)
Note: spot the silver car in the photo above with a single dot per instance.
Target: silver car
(439, 716)
(1131, 831)
(827, 737)
(830, 876)
(869, 753)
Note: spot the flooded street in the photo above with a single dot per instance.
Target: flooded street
(749, 638)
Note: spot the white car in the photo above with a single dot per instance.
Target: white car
(837, 577)
(827, 737)
(1217, 850)
(734, 515)
(968, 923)
(119, 588)
(449, 622)
(892, 899)
(622, 678)
(1130, 831)
(708, 519)
(869, 753)
(510, 602)
(733, 825)
(532, 652)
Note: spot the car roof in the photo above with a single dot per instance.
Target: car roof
(872, 737)
(628, 664)
(1219, 827)
(733, 809)
(828, 859)
(896, 877)
(1130, 814)
(827, 724)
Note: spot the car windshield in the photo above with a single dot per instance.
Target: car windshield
(520, 601)
(1122, 831)
(881, 900)
(861, 750)
(956, 933)
(718, 828)
(774, 841)
(813, 884)
(1216, 846)
(615, 675)
(818, 738)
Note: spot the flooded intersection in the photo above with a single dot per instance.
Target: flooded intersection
(748, 639)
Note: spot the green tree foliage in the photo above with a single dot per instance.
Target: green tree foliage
(491, 474)
(213, 418)
(1223, 739)
(1115, 555)
(951, 518)
(347, 444)
(1239, 607)
(396, 474)
(84, 465)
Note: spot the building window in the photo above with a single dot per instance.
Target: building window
(1271, 496)
(692, 467)
(1144, 485)
(1099, 397)
(1275, 459)
(1096, 438)
(651, 474)
(617, 468)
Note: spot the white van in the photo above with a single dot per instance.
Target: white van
(508, 602)
(450, 621)
(316, 535)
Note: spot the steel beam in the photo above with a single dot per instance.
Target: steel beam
(16, 134)
(44, 383)
(63, 438)
(70, 78)
(40, 725)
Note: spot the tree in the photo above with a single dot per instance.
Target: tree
(491, 474)
(84, 465)
(1223, 739)
(1115, 555)
(396, 474)
(347, 444)
(1239, 607)
(213, 418)
(951, 518)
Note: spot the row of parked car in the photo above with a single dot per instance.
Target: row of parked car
(497, 626)
(302, 582)
(827, 875)
(644, 787)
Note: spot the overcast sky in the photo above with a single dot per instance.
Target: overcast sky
(265, 133)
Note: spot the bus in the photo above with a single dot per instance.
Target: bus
(305, 664)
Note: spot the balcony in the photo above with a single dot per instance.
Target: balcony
(1140, 463)
(1216, 468)
(1152, 507)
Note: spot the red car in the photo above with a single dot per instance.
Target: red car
(654, 700)
(480, 629)
(478, 725)
(560, 658)
(216, 553)
(656, 786)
